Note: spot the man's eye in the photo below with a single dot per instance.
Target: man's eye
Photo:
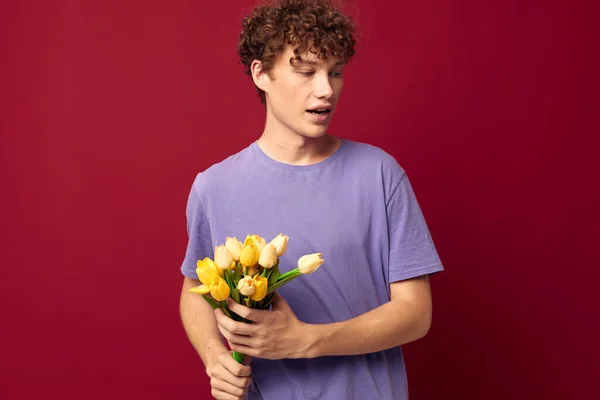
(306, 73)
(336, 74)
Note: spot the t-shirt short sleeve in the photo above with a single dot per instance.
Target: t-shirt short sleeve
(412, 251)
(198, 230)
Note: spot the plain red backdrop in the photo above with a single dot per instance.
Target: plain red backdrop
(110, 108)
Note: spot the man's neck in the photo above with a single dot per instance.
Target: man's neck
(298, 150)
(284, 145)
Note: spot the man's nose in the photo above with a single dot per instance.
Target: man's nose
(324, 89)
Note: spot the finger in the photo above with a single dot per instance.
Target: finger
(234, 337)
(220, 395)
(247, 350)
(252, 314)
(222, 374)
(234, 367)
(228, 387)
(239, 328)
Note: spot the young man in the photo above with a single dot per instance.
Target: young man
(335, 334)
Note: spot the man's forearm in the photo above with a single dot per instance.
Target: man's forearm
(395, 323)
(199, 322)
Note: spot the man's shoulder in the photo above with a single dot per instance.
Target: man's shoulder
(221, 172)
(372, 156)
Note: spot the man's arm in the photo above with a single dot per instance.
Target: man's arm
(199, 322)
(279, 334)
(405, 318)
(228, 378)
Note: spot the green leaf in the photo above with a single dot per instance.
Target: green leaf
(237, 274)
(235, 295)
(274, 275)
(211, 301)
(229, 279)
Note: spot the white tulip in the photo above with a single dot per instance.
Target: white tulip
(280, 241)
(234, 246)
(310, 263)
(223, 258)
(246, 286)
(268, 256)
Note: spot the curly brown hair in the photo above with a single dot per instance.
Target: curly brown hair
(308, 25)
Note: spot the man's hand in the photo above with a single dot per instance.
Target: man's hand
(275, 334)
(229, 379)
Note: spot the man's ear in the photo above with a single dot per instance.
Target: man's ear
(261, 78)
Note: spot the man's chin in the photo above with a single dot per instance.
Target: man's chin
(315, 133)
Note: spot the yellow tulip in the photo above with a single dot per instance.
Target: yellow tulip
(249, 254)
(234, 246)
(246, 286)
(223, 257)
(280, 241)
(309, 263)
(202, 289)
(251, 237)
(268, 256)
(207, 270)
(260, 288)
(219, 289)
(258, 241)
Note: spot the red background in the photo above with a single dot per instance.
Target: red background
(109, 109)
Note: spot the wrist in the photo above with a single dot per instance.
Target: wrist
(314, 339)
(211, 354)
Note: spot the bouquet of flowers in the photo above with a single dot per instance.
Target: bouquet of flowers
(248, 273)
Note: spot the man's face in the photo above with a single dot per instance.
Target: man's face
(302, 97)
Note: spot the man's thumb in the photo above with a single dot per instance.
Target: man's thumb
(279, 303)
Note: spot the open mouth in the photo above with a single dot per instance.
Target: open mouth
(320, 111)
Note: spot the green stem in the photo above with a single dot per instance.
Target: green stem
(267, 301)
(225, 309)
(283, 279)
(210, 301)
(239, 357)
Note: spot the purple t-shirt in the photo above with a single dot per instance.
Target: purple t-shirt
(358, 209)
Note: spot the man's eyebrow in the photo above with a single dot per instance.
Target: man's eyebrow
(310, 62)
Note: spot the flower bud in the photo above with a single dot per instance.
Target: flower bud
(219, 289)
(268, 256)
(249, 254)
(251, 237)
(234, 246)
(260, 244)
(310, 263)
(246, 286)
(223, 257)
(280, 241)
(207, 270)
(261, 285)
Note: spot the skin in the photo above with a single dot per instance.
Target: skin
(291, 136)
